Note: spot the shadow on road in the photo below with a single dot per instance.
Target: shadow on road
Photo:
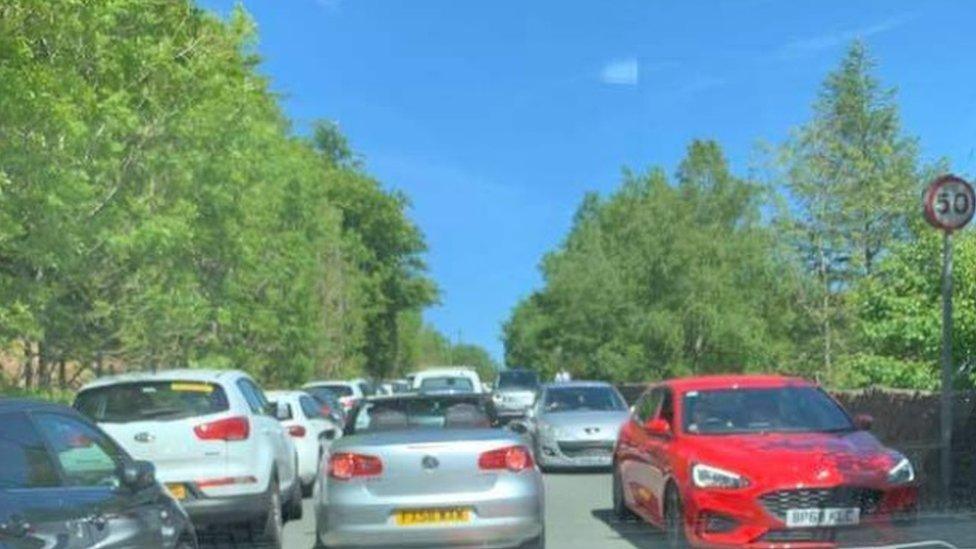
(635, 532)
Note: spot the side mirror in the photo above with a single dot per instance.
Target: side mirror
(864, 422)
(658, 428)
(138, 475)
(281, 411)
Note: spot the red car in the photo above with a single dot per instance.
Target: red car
(755, 461)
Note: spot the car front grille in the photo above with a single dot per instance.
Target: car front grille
(778, 503)
(586, 448)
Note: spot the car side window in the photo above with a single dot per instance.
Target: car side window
(648, 405)
(255, 397)
(309, 408)
(26, 463)
(252, 399)
(86, 456)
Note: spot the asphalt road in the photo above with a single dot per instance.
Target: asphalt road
(578, 515)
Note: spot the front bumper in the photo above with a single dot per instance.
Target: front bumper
(506, 516)
(573, 454)
(739, 518)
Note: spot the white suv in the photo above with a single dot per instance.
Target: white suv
(215, 441)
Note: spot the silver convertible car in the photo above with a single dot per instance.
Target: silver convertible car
(429, 470)
(574, 424)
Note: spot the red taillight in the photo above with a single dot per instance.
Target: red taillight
(233, 428)
(344, 466)
(513, 458)
(296, 431)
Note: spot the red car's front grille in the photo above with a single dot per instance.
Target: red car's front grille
(865, 499)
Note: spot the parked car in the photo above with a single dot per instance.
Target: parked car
(429, 470)
(754, 461)
(575, 424)
(329, 404)
(215, 441)
(310, 430)
(514, 392)
(65, 483)
(348, 392)
(417, 378)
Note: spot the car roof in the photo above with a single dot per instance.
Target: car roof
(742, 381)
(332, 382)
(185, 374)
(286, 393)
(417, 396)
(32, 405)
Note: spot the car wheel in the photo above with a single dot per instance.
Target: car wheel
(293, 509)
(675, 519)
(620, 509)
(268, 530)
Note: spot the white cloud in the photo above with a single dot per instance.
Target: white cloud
(827, 41)
(621, 72)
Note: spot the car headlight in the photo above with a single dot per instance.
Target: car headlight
(706, 476)
(551, 431)
(902, 473)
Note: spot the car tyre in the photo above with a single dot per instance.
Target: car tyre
(293, 509)
(674, 517)
(620, 509)
(267, 532)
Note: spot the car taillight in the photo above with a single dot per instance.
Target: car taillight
(513, 458)
(345, 466)
(234, 428)
(296, 431)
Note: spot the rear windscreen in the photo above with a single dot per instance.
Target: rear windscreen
(337, 390)
(518, 380)
(156, 401)
(422, 412)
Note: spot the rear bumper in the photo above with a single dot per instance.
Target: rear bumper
(506, 516)
(216, 511)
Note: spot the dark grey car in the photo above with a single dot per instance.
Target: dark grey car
(64, 483)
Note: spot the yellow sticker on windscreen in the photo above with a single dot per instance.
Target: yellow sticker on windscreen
(192, 387)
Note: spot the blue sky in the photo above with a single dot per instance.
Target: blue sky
(495, 117)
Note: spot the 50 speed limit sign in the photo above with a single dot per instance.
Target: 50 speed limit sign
(949, 203)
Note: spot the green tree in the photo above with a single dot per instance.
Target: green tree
(852, 180)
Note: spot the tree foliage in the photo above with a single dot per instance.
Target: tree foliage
(158, 211)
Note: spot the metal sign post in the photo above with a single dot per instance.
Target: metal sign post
(949, 205)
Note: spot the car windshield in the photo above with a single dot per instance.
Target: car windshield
(430, 412)
(446, 384)
(518, 380)
(784, 409)
(567, 399)
(156, 401)
(338, 389)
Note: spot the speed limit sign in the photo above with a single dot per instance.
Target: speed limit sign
(949, 203)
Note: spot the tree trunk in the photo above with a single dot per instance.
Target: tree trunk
(62, 375)
(28, 365)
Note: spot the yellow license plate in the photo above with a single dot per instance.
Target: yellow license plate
(415, 517)
(177, 490)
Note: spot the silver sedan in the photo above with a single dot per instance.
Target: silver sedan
(429, 470)
(574, 424)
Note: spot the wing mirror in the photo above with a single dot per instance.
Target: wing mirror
(138, 475)
(658, 428)
(863, 422)
(281, 411)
